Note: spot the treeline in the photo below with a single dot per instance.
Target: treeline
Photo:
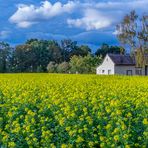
(52, 56)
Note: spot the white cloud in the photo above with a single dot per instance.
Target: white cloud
(92, 20)
(4, 34)
(27, 15)
(86, 14)
(117, 32)
(98, 15)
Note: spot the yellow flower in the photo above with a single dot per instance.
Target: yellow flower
(80, 131)
(108, 110)
(102, 138)
(116, 130)
(129, 115)
(125, 136)
(91, 144)
(63, 146)
(28, 128)
(102, 145)
(127, 146)
(61, 122)
(145, 121)
(68, 128)
(11, 144)
(79, 139)
(10, 114)
(118, 112)
(84, 109)
(139, 138)
(85, 128)
(108, 126)
(123, 126)
(71, 133)
(116, 138)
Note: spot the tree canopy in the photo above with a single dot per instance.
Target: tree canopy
(46, 55)
(133, 31)
(105, 48)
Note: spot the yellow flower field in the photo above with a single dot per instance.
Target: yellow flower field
(64, 111)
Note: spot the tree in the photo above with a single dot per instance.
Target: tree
(69, 48)
(91, 62)
(42, 53)
(5, 51)
(23, 59)
(55, 51)
(85, 64)
(105, 48)
(52, 67)
(133, 31)
(63, 67)
(77, 64)
(82, 50)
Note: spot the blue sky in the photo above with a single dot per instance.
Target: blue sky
(90, 22)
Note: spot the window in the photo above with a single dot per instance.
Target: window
(109, 71)
(129, 72)
(138, 71)
(103, 71)
(146, 70)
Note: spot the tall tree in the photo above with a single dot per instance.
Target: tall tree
(23, 59)
(133, 31)
(41, 53)
(45, 51)
(68, 47)
(55, 51)
(105, 48)
(5, 51)
(82, 50)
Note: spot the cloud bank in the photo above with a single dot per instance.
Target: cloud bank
(27, 15)
(98, 15)
(92, 20)
(87, 21)
(94, 15)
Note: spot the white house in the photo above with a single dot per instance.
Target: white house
(120, 64)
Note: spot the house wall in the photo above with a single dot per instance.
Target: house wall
(107, 66)
(143, 70)
(123, 69)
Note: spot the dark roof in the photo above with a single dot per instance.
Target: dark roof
(119, 59)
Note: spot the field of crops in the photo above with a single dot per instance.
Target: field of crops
(64, 111)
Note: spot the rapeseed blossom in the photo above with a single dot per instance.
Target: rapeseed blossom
(65, 111)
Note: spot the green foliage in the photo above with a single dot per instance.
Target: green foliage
(86, 64)
(22, 59)
(35, 55)
(52, 56)
(77, 64)
(52, 67)
(105, 48)
(133, 31)
(5, 51)
(64, 67)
